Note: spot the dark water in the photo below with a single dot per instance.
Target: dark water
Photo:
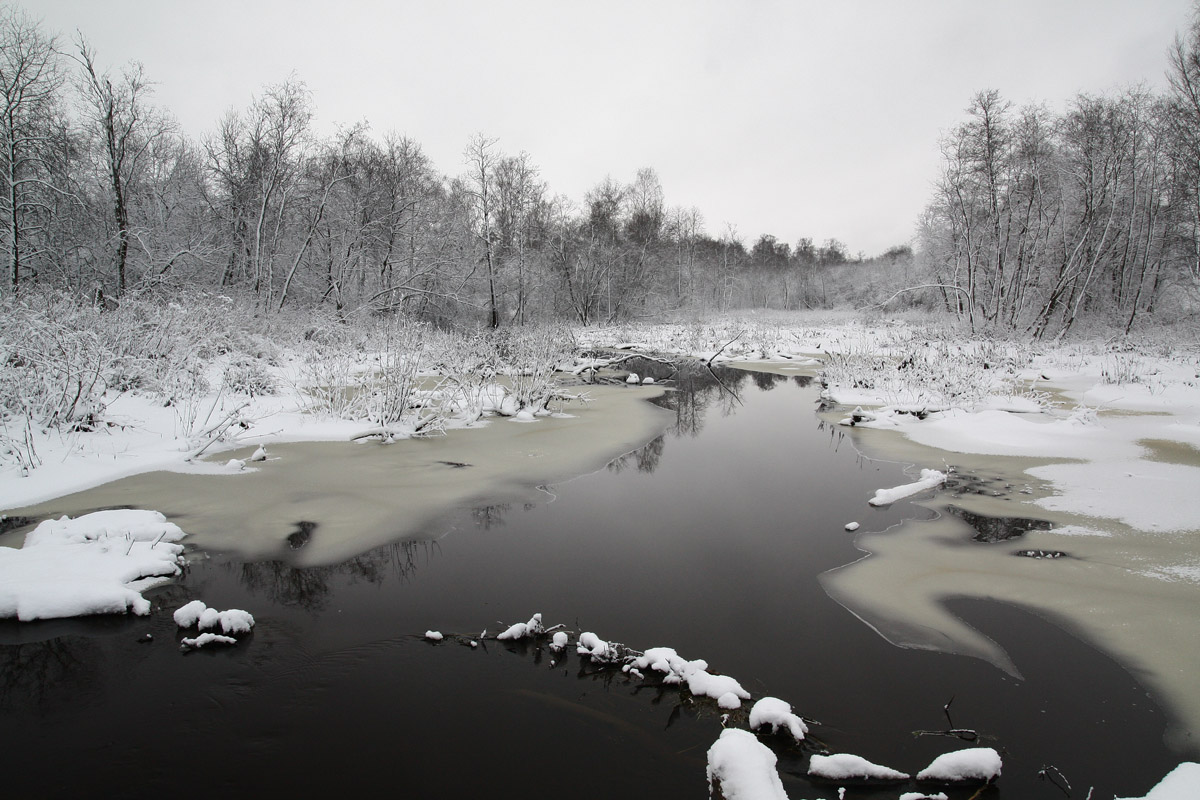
(708, 540)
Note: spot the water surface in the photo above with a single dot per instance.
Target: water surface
(709, 538)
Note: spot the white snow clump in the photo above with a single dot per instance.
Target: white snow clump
(929, 479)
(201, 616)
(559, 641)
(434, 636)
(700, 682)
(974, 763)
(596, 648)
(778, 714)
(742, 768)
(633, 378)
(94, 564)
(205, 639)
(923, 796)
(851, 526)
(522, 629)
(845, 766)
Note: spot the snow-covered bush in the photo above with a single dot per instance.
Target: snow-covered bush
(250, 377)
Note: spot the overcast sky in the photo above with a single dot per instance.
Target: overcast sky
(800, 118)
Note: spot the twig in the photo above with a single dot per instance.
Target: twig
(721, 349)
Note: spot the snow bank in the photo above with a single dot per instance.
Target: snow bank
(1181, 783)
(778, 714)
(929, 479)
(742, 768)
(88, 565)
(974, 763)
(845, 767)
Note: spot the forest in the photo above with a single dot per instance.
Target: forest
(1041, 217)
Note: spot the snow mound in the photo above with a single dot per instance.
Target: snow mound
(699, 681)
(205, 639)
(188, 614)
(851, 526)
(434, 636)
(742, 768)
(522, 629)
(596, 648)
(845, 766)
(923, 796)
(778, 714)
(633, 378)
(974, 763)
(559, 641)
(1181, 783)
(197, 614)
(929, 479)
(88, 565)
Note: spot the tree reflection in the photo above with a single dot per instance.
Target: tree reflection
(37, 677)
(309, 587)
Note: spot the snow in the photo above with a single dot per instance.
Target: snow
(188, 615)
(93, 564)
(700, 682)
(974, 763)
(1165, 493)
(597, 649)
(845, 767)
(204, 640)
(930, 478)
(1181, 783)
(434, 636)
(851, 526)
(559, 641)
(633, 378)
(743, 768)
(196, 613)
(778, 714)
(514, 632)
(521, 630)
(923, 796)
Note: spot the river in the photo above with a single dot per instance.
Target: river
(710, 538)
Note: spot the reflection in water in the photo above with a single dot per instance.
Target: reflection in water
(42, 677)
(309, 587)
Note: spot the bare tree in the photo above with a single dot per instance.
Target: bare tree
(481, 163)
(118, 114)
(29, 86)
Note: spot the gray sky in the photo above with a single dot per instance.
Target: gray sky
(800, 118)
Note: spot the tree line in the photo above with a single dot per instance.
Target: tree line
(1038, 219)
(103, 194)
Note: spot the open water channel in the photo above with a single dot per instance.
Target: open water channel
(710, 538)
